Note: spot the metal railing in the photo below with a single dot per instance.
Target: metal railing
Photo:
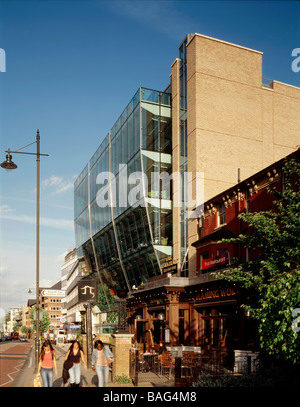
(267, 83)
(146, 367)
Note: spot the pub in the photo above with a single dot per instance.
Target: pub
(202, 311)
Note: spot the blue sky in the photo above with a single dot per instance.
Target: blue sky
(71, 68)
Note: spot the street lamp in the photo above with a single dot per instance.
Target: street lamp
(10, 165)
(122, 325)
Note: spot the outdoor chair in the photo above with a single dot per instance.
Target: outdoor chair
(141, 362)
(165, 363)
(188, 363)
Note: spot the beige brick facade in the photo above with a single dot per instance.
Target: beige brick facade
(121, 347)
(233, 121)
(175, 156)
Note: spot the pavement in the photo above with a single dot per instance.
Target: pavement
(88, 378)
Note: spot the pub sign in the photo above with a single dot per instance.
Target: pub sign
(87, 291)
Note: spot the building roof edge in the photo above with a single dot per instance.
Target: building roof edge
(225, 42)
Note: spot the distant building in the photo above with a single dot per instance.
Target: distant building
(71, 276)
(15, 318)
(51, 301)
(70, 262)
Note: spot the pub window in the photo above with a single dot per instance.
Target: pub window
(248, 206)
(247, 256)
(206, 333)
(283, 182)
(184, 324)
(200, 226)
(203, 256)
(222, 215)
(222, 251)
(216, 331)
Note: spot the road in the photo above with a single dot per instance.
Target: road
(13, 355)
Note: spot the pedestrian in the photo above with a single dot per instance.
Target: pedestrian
(162, 348)
(102, 358)
(46, 364)
(75, 355)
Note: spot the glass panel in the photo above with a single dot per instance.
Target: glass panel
(136, 131)
(166, 131)
(124, 146)
(130, 137)
(150, 127)
(82, 228)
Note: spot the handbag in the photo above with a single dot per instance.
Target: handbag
(37, 381)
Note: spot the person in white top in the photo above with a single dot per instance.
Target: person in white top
(101, 360)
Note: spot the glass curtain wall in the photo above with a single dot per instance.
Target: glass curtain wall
(122, 219)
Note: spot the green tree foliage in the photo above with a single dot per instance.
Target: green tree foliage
(105, 299)
(271, 281)
(45, 321)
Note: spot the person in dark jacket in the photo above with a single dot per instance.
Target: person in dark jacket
(162, 348)
(66, 366)
(75, 355)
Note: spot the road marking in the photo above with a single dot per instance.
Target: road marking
(14, 356)
(9, 374)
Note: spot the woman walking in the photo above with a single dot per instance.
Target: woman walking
(101, 360)
(46, 364)
(75, 355)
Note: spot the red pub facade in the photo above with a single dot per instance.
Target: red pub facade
(202, 310)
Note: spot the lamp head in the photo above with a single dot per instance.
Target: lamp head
(8, 164)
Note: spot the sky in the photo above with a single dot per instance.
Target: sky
(71, 67)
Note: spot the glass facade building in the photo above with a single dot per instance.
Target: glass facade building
(183, 156)
(122, 198)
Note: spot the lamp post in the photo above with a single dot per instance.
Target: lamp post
(122, 325)
(10, 165)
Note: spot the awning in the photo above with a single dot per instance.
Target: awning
(214, 303)
(157, 308)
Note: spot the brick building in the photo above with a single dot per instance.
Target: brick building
(202, 310)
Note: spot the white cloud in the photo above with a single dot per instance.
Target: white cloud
(52, 181)
(18, 199)
(58, 184)
(60, 259)
(65, 224)
(3, 270)
(6, 209)
(20, 275)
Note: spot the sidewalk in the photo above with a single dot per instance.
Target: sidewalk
(88, 378)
